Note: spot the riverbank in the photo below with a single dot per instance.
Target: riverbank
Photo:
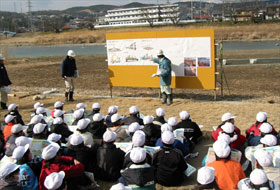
(223, 31)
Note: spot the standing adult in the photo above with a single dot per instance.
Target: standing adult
(68, 72)
(164, 72)
(4, 82)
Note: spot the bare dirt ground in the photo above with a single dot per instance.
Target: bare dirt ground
(253, 88)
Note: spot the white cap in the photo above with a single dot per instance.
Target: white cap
(19, 152)
(172, 121)
(50, 151)
(165, 127)
(138, 138)
(41, 110)
(95, 105)
(138, 155)
(81, 106)
(78, 113)
(54, 180)
(109, 136)
(39, 128)
(228, 127)
(36, 119)
(134, 127)
(58, 113)
(269, 140)
(22, 141)
(184, 115)
(54, 137)
(58, 104)
(97, 117)
(17, 128)
(258, 177)
(133, 110)
(58, 121)
(76, 139)
(7, 169)
(160, 52)
(71, 53)
(263, 158)
(113, 109)
(265, 128)
(221, 149)
(115, 118)
(83, 123)
(9, 118)
(12, 107)
(227, 116)
(167, 137)
(2, 57)
(160, 112)
(148, 119)
(37, 104)
(120, 186)
(205, 175)
(261, 116)
(224, 137)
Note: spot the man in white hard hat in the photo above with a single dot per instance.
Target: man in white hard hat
(4, 82)
(68, 72)
(164, 72)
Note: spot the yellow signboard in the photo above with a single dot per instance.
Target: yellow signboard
(190, 51)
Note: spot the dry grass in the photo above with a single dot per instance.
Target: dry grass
(243, 31)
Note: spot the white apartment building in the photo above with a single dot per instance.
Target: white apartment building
(143, 15)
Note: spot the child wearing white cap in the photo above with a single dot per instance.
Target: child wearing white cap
(9, 176)
(139, 173)
(206, 179)
(257, 180)
(82, 129)
(109, 158)
(97, 128)
(10, 121)
(134, 116)
(34, 120)
(58, 105)
(138, 140)
(78, 115)
(40, 131)
(132, 128)
(228, 172)
(227, 117)
(17, 131)
(13, 110)
(191, 129)
(74, 170)
(169, 162)
(116, 120)
(151, 131)
(59, 127)
(159, 119)
(55, 181)
(95, 109)
(23, 156)
(111, 111)
(184, 147)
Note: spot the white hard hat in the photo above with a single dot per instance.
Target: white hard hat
(71, 53)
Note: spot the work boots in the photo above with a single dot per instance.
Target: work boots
(71, 96)
(66, 96)
(4, 106)
(164, 98)
(169, 99)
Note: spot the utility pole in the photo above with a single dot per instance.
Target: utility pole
(30, 24)
(191, 9)
(200, 11)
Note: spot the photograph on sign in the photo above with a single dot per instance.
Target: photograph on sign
(203, 62)
(190, 67)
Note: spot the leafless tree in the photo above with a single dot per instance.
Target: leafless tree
(173, 15)
(147, 16)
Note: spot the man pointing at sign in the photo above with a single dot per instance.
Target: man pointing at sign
(164, 72)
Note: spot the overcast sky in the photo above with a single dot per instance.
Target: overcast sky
(21, 5)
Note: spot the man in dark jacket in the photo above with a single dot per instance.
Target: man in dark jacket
(191, 129)
(134, 116)
(4, 82)
(109, 159)
(68, 71)
(169, 162)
